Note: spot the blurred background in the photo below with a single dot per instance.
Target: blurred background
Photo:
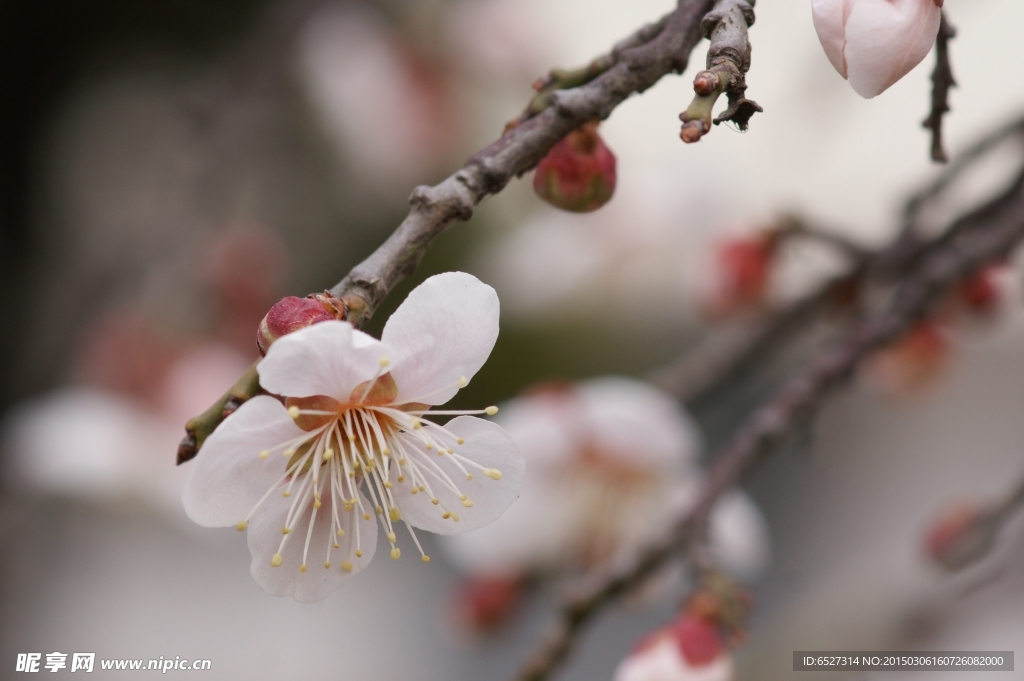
(169, 169)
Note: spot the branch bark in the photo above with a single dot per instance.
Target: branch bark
(942, 81)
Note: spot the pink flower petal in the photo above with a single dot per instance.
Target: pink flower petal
(885, 39)
(828, 22)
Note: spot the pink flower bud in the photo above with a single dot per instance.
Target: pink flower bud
(485, 603)
(291, 314)
(578, 174)
(743, 271)
(698, 640)
(874, 43)
(960, 536)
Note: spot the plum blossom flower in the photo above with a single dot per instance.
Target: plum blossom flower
(609, 459)
(351, 442)
(874, 43)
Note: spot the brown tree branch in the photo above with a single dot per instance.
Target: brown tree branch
(988, 233)
(727, 64)
(942, 81)
(639, 62)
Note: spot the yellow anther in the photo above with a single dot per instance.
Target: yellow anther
(346, 566)
(372, 463)
(491, 411)
(492, 473)
(415, 490)
(463, 381)
(422, 488)
(469, 476)
(425, 559)
(416, 424)
(316, 503)
(276, 560)
(384, 361)
(392, 537)
(401, 478)
(285, 530)
(430, 445)
(366, 516)
(337, 545)
(396, 553)
(385, 452)
(351, 437)
(387, 484)
(468, 503)
(455, 517)
(461, 441)
(359, 554)
(327, 565)
(462, 497)
(302, 568)
(328, 454)
(446, 515)
(286, 493)
(348, 506)
(402, 462)
(288, 452)
(435, 501)
(394, 514)
(341, 533)
(265, 453)
(293, 411)
(241, 526)
(378, 510)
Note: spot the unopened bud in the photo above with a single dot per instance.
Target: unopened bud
(291, 314)
(692, 132)
(578, 174)
(961, 536)
(705, 83)
(698, 639)
(485, 603)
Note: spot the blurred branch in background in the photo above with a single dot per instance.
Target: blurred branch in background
(986, 234)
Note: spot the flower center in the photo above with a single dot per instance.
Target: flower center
(364, 444)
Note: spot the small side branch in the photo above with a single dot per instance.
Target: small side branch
(942, 81)
(727, 64)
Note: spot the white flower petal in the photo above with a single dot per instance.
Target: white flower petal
(644, 425)
(317, 581)
(486, 444)
(662, 661)
(228, 477)
(442, 332)
(885, 39)
(828, 23)
(739, 536)
(330, 358)
(541, 427)
(532, 534)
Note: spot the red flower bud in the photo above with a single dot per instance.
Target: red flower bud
(698, 639)
(979, 292)
(291, 314)
(744, 267)
(485, 603)
(578, 174)
(962, 535)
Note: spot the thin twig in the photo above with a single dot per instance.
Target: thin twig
(942, 81)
